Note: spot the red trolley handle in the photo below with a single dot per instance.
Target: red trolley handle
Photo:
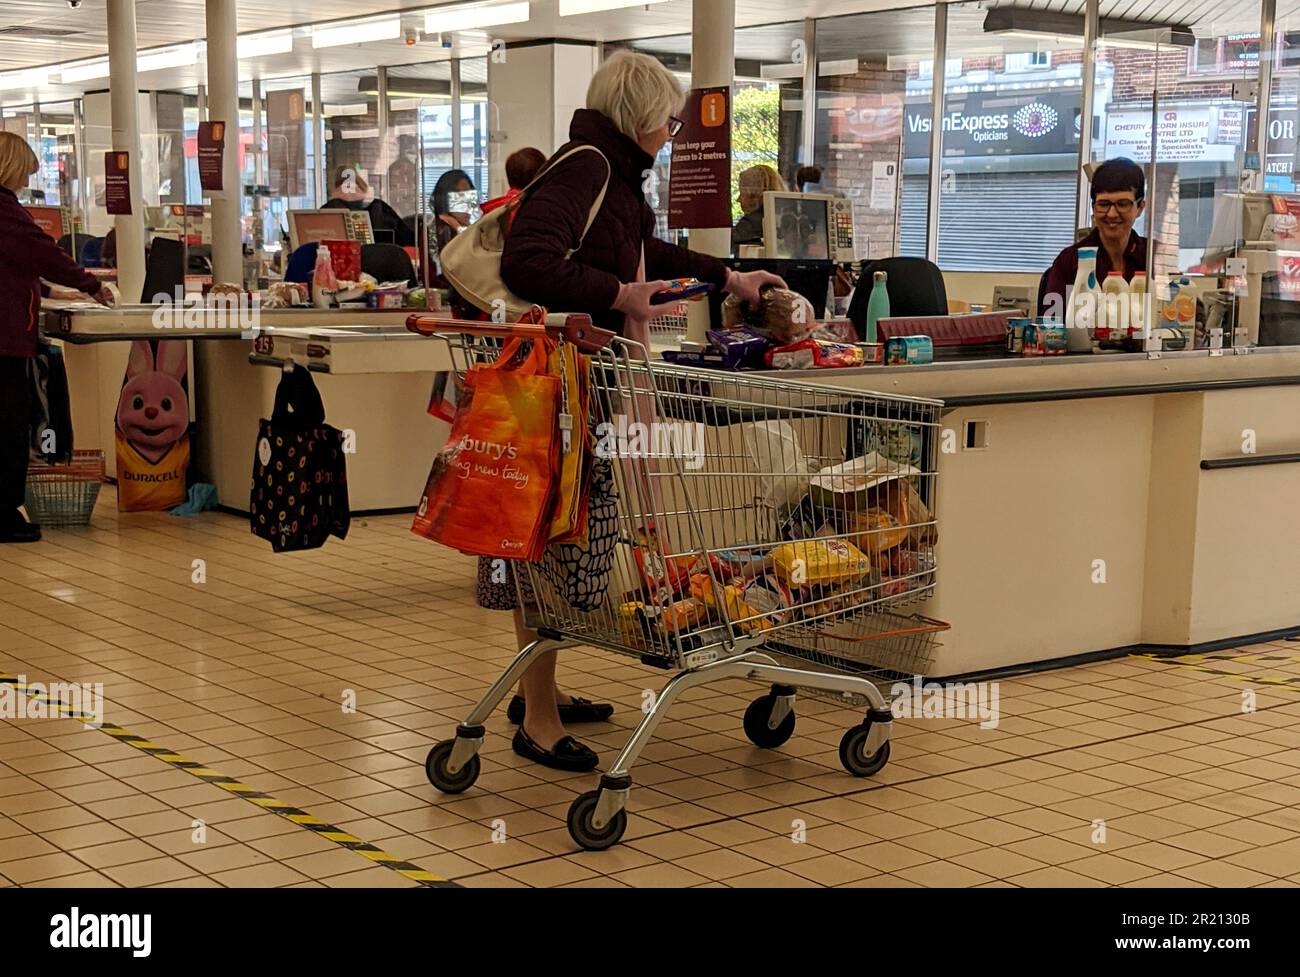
(576, 328)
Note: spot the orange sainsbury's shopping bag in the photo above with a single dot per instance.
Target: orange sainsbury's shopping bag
(491, 490)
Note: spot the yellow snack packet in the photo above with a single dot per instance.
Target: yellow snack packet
(819, 563)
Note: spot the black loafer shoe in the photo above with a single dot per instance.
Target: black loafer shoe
(23, 532)
(568, 754)
(571, 714)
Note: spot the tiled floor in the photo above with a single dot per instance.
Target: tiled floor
(1127, 772)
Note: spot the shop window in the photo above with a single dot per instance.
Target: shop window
(423, 126)
(1290, 49)
(1200, 135)
(1010, 147)
(873, 123)
(767, 107)
(1029, 61)
(925, 68)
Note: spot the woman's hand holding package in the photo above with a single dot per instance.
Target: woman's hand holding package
(634, 299)
(746, 285)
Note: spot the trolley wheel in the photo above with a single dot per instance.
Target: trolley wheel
(435, 766)
(585, 833)
(759, 732)
(853, 753)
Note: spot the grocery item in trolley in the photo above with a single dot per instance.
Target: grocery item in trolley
(774, 450)
(819, 562)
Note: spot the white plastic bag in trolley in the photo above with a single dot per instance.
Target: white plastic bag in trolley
(779, 462)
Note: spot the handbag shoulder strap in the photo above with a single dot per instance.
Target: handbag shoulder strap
(600, 198)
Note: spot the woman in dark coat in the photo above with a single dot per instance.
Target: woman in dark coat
(27, 255)
(631, 113)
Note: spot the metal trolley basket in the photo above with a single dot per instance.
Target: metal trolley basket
(770, 530)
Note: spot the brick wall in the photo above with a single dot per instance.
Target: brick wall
(1138, 73)
(852, 137)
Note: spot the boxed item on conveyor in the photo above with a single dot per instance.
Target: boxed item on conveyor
(950, 333)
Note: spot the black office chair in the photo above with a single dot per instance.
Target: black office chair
(915, 289)
(71, 245)
(164, 273)
(387, 263)
(199, 260)
(1042, 294)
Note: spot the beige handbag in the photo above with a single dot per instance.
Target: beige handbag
(471, 262)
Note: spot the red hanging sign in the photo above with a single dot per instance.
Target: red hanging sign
(212, 150)
(117, 182)
(699, 185)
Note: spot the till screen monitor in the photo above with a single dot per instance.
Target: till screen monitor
(797, 226)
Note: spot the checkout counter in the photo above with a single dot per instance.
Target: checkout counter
(1088, 505)
(374, 376)
(1094, 504)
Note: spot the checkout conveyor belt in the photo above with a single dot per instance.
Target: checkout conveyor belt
(337, 342)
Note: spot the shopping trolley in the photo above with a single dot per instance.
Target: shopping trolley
(771, 530)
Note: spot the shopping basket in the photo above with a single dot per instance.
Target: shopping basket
(770, 530)
(65, 495)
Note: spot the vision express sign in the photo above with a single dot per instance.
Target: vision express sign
(997, 124)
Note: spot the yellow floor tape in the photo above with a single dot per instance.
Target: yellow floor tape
(233, 786)
(1195, 662)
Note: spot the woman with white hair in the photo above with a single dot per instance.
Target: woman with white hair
(632, 111)
(27, 255)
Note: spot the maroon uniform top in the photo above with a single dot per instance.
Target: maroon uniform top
(1060, 277)
(28, 254)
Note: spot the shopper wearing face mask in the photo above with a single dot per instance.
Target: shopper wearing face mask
(1118, 200)
(633, 109)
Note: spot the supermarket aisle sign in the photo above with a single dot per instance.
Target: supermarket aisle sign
(699, 184)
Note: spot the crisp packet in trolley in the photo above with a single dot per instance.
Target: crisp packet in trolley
(829, 599)
(745, 618)
(819, 562)
(743, 562)
(678, 617)
(663, 579)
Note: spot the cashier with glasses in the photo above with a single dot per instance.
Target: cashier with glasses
(1118, 199)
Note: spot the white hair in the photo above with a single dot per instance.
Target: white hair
(635, 92)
